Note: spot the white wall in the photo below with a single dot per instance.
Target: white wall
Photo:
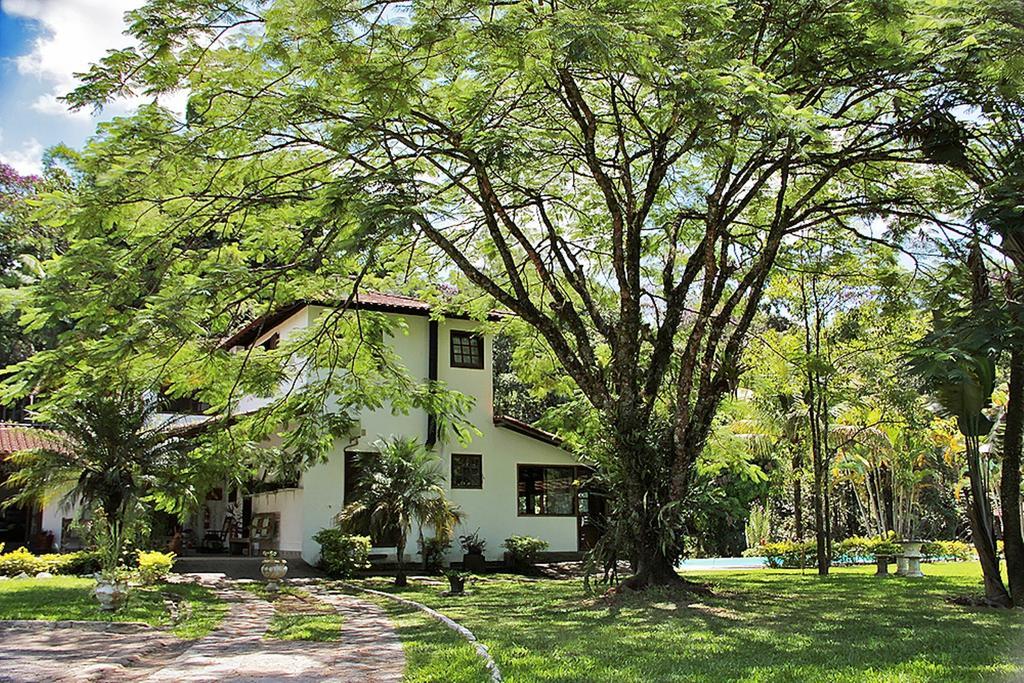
(54, 512)
(288, 503)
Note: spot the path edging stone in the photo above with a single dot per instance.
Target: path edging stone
(481, 649)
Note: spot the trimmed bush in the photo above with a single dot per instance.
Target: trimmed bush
(853, 550)
(522, 550)
(21, 560)
(958, 551)
(154, 566)
(83, 562)
(341, 554)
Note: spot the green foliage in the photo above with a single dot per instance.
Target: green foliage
(341, 554)
(853, 550)
(433, 551)
(400, 485)
(472, 543)
(82, 562)
(584, 129)
(21, 560)
(948, 550)
(523, 550)
(154, 566)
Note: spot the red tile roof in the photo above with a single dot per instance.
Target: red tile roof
(15, 438)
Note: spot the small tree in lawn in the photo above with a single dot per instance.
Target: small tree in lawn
(399, 486)
(111, 456)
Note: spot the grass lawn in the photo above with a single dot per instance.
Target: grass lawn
(70, 598)
(433, 653)
(298, 615)
(775, 625)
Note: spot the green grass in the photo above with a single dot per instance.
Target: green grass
(298, 615)
(65, 598)
(319, 627)
(773, 626)
(433, 652)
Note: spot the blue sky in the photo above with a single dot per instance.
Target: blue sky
(42, 44)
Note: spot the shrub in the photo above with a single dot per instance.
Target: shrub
(947, 550)
(523, 550)
(787, 554)
(154, 566)
(21, 560)
(433, 551)
(341, 554)
(80, 563)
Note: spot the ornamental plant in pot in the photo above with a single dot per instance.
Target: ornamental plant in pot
(112, 579)
(456, 581)
(473, 546)
(274, 569)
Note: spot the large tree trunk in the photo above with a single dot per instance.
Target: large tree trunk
(1009, 483)
(979, 514)
(995, 591)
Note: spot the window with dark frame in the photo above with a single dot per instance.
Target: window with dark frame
(546, 490)
(467, 350)
(467, 471)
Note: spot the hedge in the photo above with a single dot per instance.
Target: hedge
(854, 550)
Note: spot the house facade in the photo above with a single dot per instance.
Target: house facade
(511, 479)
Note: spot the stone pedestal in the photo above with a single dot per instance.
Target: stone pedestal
(882, 565)
(912, 558)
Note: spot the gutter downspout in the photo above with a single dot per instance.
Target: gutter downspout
(431, 378)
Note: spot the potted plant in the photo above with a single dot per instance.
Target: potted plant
(110, 537)
(273, 569)
(473, 548)
(111, 589)
(521, 552)
(456, 581)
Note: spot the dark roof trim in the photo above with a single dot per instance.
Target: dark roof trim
(365, 301)
(527, 430)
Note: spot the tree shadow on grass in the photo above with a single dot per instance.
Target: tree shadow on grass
(770, 627)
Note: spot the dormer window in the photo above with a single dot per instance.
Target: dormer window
(467, 350)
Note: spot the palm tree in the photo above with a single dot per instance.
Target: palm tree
(956, 365)
(108, 453)
(398, 486)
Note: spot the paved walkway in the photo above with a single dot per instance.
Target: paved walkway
(369, 649)
(81, 651)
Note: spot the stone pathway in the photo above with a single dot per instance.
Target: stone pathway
(81, 651)
(369, 649)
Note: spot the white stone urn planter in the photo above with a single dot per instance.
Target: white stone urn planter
(910, 560)
(274, 570)
(110, 593)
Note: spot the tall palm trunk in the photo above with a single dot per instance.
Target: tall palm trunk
(1009, 482)
(979, 514)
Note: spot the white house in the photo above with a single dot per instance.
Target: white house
(512, 478)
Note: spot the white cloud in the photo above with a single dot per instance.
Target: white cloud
(27, 160)
(75, 33)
